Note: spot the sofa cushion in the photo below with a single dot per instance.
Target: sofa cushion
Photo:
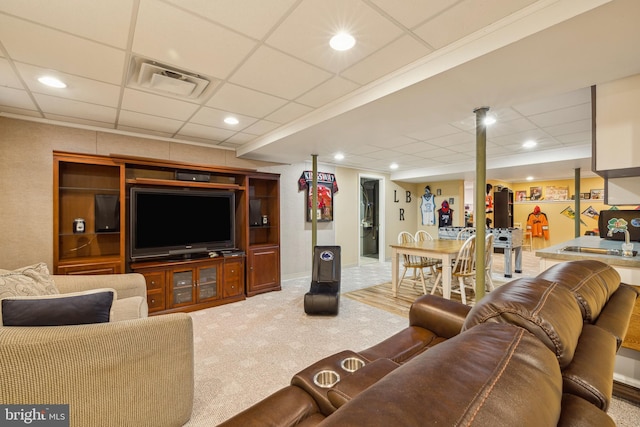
(491, 375)
(578, 412)
(289, 406)
(592, 282)
(56, 310)
(129, 308)
(26, 281)
(546, 309)
(591, 370)
(403, 345)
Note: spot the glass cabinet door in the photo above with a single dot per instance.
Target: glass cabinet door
(207, 283)
(182, 282)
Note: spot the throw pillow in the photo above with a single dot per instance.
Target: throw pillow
(27, 281)
(77, 308)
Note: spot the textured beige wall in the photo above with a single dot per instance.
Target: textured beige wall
(26, 178)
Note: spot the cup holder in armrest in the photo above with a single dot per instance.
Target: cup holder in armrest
(352, 364)
(326, 378)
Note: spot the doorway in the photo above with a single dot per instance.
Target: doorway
(371, 244)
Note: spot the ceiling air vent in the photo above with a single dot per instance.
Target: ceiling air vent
(157, 78)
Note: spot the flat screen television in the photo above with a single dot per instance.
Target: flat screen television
(179, 222)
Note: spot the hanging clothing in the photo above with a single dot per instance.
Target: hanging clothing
(445, 215)
(538, 224)
(428, 208)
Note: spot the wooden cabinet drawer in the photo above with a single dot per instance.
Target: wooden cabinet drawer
(233, 283)
(155, 301)
(154, 280)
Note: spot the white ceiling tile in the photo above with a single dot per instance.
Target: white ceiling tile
(577, 97)
(412, 12)
(564, 115)
(327, 92)
(240, 138)
(359, 150)
(135, 100)
(465, 18)
(213, 117)
(569, 128)
(252, 17)
(511, 127)
(146, 121)
(575, 138)
(188, 42)
(78, 88)
(60, 51)
(70, 108)
(432, 132)
(207, 132)
(245, 101)
(519, 138)
(394, 142)
(453, 158)
(453, 139)
(261, 127)
(8, 77)
(104, 21)
(307, 30)
(390, 58)
(273, 72)
(383, 154)
(16, 98)
(289, 112)
(434, 152)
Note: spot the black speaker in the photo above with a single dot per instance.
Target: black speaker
(255, 218)
(107, 212)
(191, 176)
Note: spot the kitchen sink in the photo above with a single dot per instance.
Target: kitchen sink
(600, 251)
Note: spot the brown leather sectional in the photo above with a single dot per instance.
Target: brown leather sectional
(534, 352)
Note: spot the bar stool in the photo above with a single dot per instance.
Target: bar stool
(527, 237)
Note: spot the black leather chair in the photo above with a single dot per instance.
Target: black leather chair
(324, 295)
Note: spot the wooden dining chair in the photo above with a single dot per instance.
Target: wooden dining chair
(488, 261)
(464, 268)
(423, 236)
(465, 233)
(412, 262)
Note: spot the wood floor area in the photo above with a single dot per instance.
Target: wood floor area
(380, 296)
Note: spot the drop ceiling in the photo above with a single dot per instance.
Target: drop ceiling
(405, 93)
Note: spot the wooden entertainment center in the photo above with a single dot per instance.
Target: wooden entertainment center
(88, 242)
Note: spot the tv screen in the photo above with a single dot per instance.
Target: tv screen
(178, 222)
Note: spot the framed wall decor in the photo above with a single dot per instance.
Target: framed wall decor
(327, 187)
(557, 193)
(535, 193)
(597, 194)
(521, 196)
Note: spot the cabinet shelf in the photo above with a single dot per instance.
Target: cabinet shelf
(91, 189)
(175, 183)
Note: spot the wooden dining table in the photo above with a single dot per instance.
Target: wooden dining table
(446, 250)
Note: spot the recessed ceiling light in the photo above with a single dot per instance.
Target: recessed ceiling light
(529, 144)
(489, 120)
(231, 120)
(342, 41)
(52, 82)
(529, 178)
(393, 166)
(339, 156)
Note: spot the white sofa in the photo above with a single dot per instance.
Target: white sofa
(132, 371)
